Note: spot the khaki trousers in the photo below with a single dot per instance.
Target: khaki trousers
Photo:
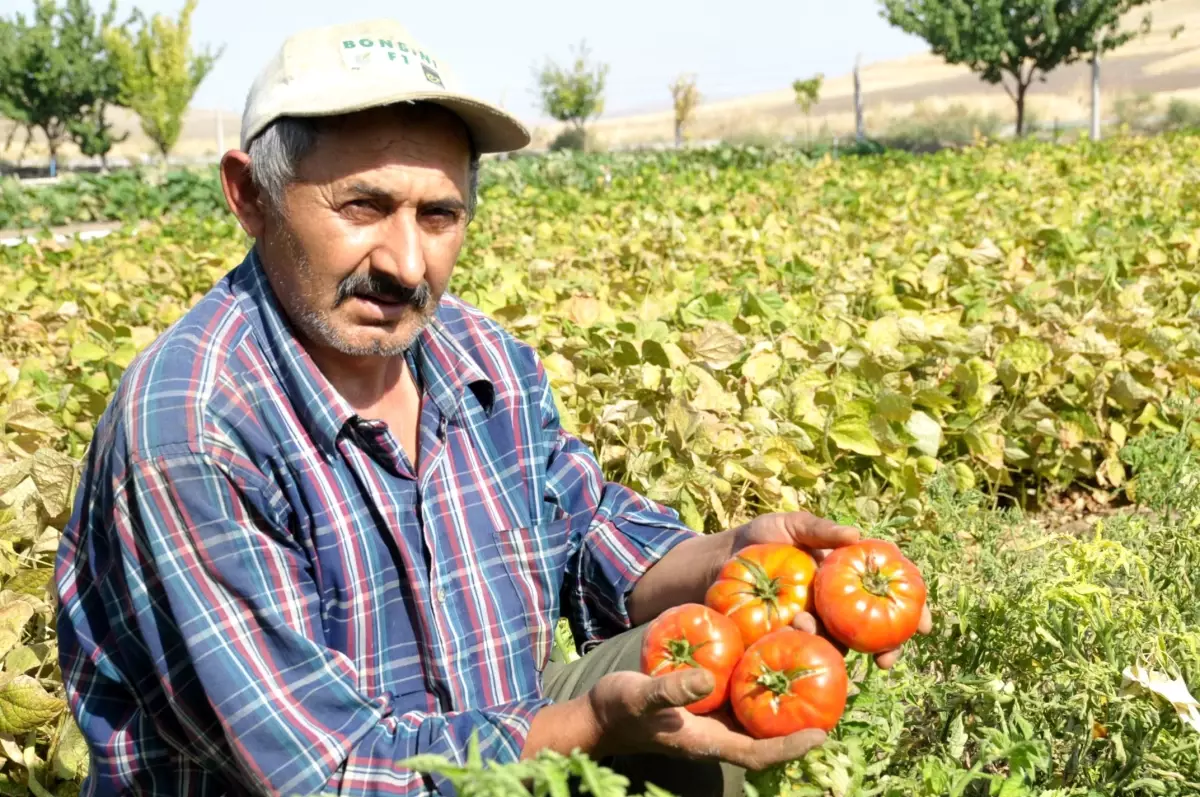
(562, 682)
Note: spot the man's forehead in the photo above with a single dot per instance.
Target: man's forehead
(412, 121)
(376, 143)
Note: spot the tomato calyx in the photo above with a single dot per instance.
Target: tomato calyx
(779, 682)
(876, 582)
(764, 587)
(680, 652)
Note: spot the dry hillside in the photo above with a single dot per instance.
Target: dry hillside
(1156, 64)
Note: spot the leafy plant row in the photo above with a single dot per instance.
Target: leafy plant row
(135, 194)
(900, 342)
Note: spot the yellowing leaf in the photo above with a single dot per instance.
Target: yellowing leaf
(987, 444)
(1172, 690)
(558, 368)
(882, 335)
(762, 367)
(1118, 433)
(717, 345)
(926, 431)
(853, 434)
(54, 475)
(1128, 393)
(13, 617)
(70, 760)
(25, 705)
(709, 394)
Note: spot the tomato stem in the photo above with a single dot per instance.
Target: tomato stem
(680, 651)
(779, 682)
(876, 583)
(765, 588)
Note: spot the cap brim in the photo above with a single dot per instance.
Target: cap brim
(492, 130)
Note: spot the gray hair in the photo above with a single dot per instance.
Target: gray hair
(276, 152)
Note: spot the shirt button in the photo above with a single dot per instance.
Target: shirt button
(441, 595)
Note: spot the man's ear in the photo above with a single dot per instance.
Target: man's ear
(241, 193)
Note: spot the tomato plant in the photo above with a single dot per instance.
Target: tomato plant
(789, 681)
(693, 635)
(869, 596)
(763, 587)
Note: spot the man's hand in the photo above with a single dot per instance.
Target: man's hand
(819, 536)
(639, 714)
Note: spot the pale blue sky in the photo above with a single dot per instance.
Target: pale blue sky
(735, 48)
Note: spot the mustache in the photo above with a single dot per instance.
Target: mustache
(381, 286)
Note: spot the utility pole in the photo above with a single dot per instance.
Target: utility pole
(1096, 93)
(860, 129)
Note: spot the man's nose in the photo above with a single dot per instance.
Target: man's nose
(400, 255)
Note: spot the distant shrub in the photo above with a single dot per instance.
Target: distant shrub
(1136, 112)
(1182, 115)
(929, 129)
(573, 139)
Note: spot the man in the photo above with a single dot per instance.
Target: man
(330, 516)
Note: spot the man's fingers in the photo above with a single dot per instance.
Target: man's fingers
(805, 622)
(887, 659)
(762, 753)
(807, 530)
(676, 689)
(926, 624)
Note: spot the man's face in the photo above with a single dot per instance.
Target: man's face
(369, 232)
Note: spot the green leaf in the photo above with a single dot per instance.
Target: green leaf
(24, 658)
(86, 352)
(25, 705)
(893, 406)
(926, 431)
(854, 434)
(30, 581)
(1027, 355)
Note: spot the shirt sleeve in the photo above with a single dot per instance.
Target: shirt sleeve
(622, 534)
(229, 616)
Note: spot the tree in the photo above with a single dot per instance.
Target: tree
(1021, 40)
(160, 73)
(573, 95)
(808, 92)
(58, 76)
(685, 97)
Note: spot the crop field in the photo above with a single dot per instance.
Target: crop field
(989, 356)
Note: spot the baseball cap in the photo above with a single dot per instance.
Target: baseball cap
(354, 66)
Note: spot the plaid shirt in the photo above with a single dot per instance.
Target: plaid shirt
(260, 595)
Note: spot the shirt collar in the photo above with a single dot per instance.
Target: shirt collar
(446, 369)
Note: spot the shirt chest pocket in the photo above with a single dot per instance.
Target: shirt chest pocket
(535, 559)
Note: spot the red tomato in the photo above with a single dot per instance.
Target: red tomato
(868, 596)
(692, 635)
(763, 587)
(788, 681)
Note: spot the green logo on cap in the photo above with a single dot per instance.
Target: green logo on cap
(432, 76)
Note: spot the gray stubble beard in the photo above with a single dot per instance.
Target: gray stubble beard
(315, 324)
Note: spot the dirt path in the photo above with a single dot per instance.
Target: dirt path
(85, 232)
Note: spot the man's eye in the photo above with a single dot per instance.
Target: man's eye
(441, 215)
